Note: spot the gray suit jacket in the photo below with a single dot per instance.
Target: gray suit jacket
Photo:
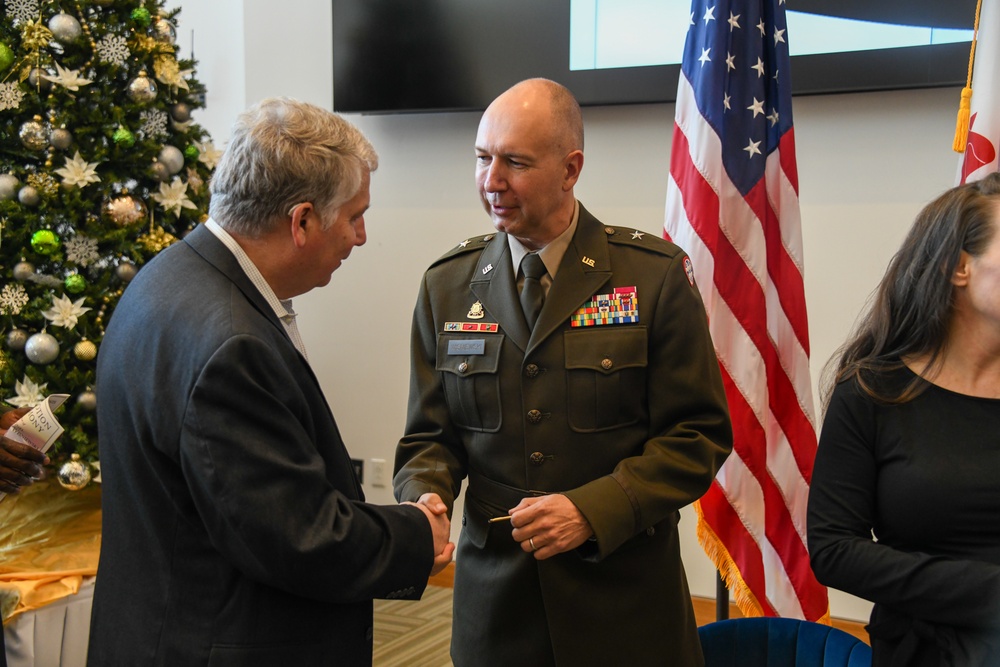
(234, 528)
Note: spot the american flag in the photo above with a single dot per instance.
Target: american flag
(732, 204)
(982, 150)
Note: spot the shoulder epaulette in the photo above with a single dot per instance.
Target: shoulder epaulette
(468, 245)
(644, 240)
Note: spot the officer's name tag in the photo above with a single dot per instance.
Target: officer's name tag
(463, 347)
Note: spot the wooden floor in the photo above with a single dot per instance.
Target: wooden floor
(417, 634)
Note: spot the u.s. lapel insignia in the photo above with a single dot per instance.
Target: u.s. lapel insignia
(689, 270)
(621, 306)
(588, 261)
(476, 312)
(487, 269)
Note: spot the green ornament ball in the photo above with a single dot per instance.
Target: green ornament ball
(141, 16)
(191, 153)
(45, 242)
(75, 283)
(6, 57)
(124, 137)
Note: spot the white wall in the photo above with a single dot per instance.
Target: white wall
(866, 162)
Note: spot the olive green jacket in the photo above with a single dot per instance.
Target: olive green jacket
(628, 420)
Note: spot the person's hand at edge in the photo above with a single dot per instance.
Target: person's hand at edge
(20, 464)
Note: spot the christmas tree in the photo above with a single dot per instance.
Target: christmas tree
(101, 167)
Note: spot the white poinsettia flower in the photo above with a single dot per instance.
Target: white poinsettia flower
(67, 78)
(65, 313)
(29, 394)
(79, 172)
(172, 197)
(208, 154)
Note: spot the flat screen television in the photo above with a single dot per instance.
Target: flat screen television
(396, 56)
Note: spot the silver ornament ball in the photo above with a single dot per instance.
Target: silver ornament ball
(42, 348)
(37, 80)
(33, 135)
(29, 196)
(24, 271)
(126, 271)
(87, 400)
(16, 339)
(65, 28)
(9, 186)
(74, 474)
(61, 138)
(142, 89)
(172, 158)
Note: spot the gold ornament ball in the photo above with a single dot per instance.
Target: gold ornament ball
(164, 31)
(61, 138)
(33, 134)
(85, 350)
(74, 474)
(87, 400)
(125, 210)
(142, 89)
(126, 271)
(29, 196)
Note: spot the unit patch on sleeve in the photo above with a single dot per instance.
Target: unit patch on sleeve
(621, 306)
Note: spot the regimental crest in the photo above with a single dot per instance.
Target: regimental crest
(476, 312)
(621, 306)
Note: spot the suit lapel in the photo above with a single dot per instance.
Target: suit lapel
(213, 251)
(494, 286)
(585, 268)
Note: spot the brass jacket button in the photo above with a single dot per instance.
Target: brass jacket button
(534, 416)
(606, 365)
(537, 458)
(531, 370)
(462, 367)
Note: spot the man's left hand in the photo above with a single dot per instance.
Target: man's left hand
(549, 525)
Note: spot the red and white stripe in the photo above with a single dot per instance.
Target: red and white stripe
(748, 259)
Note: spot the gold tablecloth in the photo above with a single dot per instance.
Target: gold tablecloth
(50, 539)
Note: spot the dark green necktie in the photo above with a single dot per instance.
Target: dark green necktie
(532, 293)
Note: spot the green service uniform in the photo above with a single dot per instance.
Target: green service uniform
(628, 419)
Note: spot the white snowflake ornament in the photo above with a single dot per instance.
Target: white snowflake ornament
(12, 299)
(29, 394)
(10, 95)
(22, 11)
(153, 123)
(113, 49)
(65, 313)
(81, 250)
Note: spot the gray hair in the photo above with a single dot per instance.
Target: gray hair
(284, 152)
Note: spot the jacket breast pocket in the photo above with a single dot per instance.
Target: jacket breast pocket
(469, 366)
(605, 377)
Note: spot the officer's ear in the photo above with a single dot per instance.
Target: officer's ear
(298, 222)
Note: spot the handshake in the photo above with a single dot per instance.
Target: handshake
(437, 514)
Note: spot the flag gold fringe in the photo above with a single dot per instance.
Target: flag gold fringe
(745, 600)
(965, 103)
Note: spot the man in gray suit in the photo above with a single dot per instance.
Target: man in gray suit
(584, 412)
(235, 531)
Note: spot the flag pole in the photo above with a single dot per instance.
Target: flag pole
(721, 598)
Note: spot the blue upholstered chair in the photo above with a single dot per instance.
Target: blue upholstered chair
(780, 642)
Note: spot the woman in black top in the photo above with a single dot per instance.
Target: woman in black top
(910, 447)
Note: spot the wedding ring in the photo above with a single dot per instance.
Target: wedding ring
(531, 541)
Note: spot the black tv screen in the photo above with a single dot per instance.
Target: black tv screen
(394, 56)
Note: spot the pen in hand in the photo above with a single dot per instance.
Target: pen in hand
(497, 519)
